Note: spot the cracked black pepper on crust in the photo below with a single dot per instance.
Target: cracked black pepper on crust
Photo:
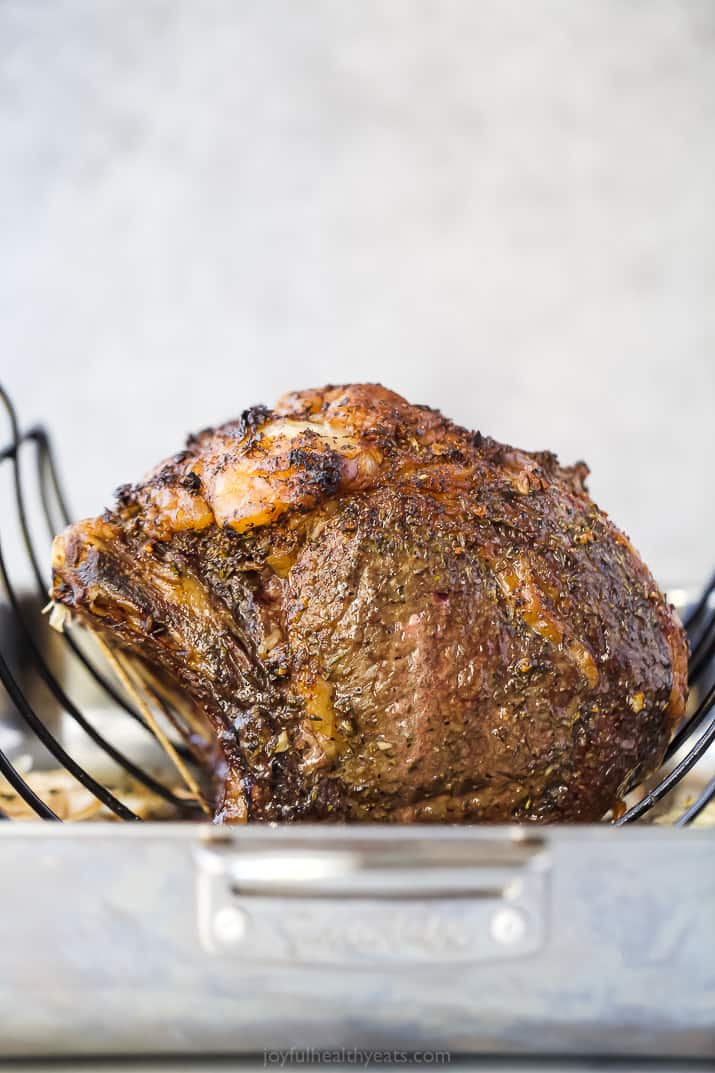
(377, 615)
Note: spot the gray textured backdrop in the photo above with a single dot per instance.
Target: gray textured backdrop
(503, 209)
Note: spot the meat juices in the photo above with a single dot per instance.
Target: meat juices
(380, 616)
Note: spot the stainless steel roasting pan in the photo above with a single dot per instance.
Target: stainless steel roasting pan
(186, 939)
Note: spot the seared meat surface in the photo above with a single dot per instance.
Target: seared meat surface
(383, 616)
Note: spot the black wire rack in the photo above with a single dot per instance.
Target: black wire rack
(31, 451)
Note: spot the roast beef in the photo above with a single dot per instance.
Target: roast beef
(381, 616)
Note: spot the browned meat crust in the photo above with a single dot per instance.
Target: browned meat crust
(386, 617)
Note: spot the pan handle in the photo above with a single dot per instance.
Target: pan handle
(490, 869)
(478, 895)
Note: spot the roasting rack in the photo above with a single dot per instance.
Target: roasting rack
(29, 452)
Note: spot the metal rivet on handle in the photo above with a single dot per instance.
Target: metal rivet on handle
(229, 925)
(508, 925)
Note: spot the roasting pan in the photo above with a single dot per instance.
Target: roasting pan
(173, 939)
(180, 938)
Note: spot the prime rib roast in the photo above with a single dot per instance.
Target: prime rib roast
(375, 614)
